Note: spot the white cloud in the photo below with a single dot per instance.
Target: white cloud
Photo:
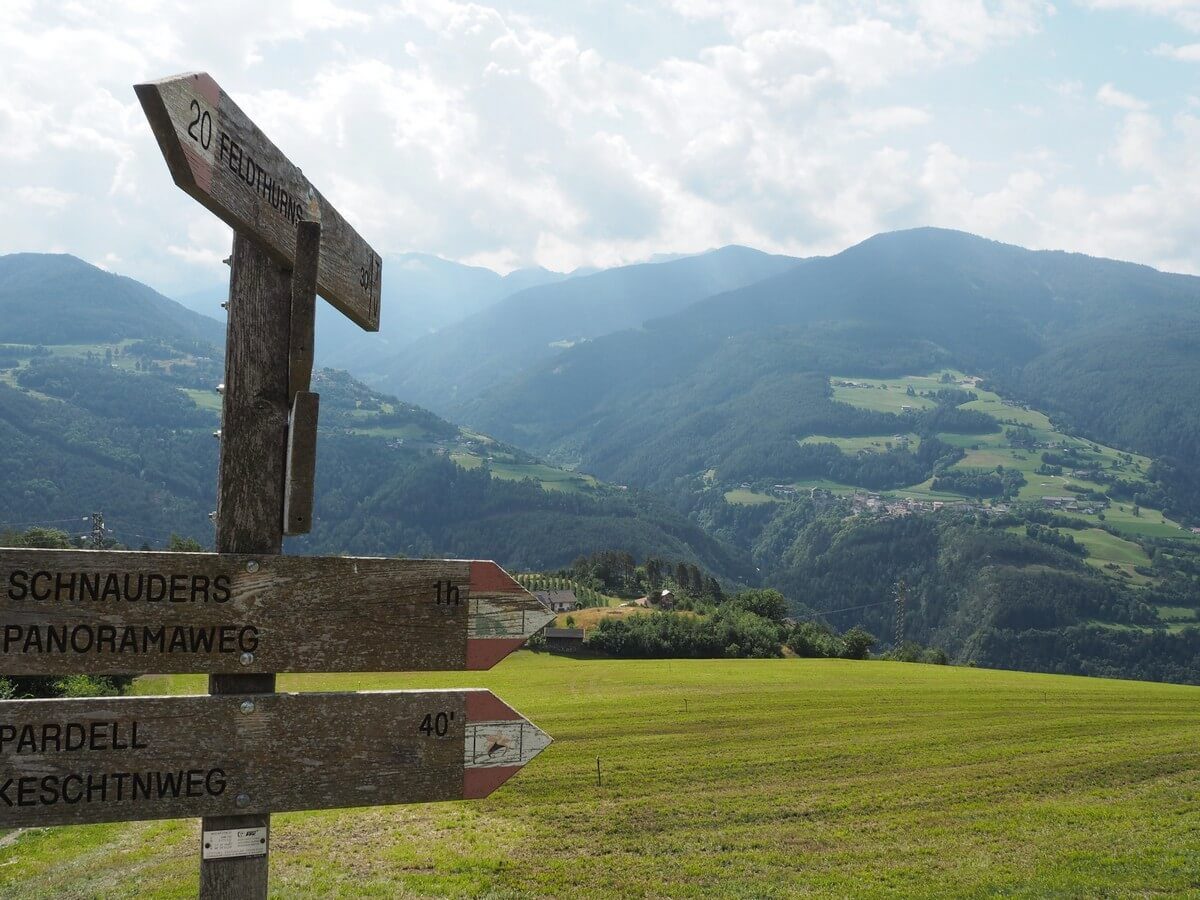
(1110, 96)
(1183, 53)
(509, 139)
(1184, 12)
(48, 197)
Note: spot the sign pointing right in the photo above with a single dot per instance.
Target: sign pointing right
(66, 611)
(112, 759)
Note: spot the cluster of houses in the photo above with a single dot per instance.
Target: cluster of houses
(865, 503)
(896, 507)
(1075, 504)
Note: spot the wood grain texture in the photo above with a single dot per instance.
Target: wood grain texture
(194, 756)
(221, 158)
(301, 463)
(199, 612)
(304, 303)
(255, 414)
(250, 487)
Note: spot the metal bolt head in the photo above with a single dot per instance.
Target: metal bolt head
(247, 707)
(217, 434)
(221, 388)
(243, 800)
(246, 658)
(252, 566)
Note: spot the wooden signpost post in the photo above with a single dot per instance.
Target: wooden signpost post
(247, 612)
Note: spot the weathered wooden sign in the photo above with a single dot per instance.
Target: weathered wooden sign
(65, 611)
(244, 614)
(221, 158)
(114, 759)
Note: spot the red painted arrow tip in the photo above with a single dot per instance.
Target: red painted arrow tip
(484, 706)
(483, 653)
(208, 88)
(479, 783)
(487, 577)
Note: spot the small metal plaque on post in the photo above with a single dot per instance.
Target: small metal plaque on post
(233, 842)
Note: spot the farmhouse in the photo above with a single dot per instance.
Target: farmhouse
(558, 601)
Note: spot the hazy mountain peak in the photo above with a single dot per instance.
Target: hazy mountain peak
(57, 298)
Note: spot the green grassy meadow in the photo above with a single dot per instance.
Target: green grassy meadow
(744, 497)
(549, 477)
(738, 778)
(873, 444)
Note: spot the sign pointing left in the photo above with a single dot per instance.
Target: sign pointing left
(221, 158)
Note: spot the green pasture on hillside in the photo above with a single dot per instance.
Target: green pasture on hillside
(875, 443)
(986, 451)
(743, 497)
(778, 778)
(209, 400)
(870, 393)
(549, 477)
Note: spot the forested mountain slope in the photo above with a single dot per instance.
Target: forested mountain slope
(48, 298)
(126, 430)
(447, 370)
(835, 430)
(421, 294)
(737, 378)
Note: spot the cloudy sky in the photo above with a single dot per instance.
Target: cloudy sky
(596, 132)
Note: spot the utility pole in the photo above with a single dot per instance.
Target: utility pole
(97, 530)
(901, 596)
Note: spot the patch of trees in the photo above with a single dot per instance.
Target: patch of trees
(1153, 653)
(952, 396)
(964, 580)
(113, 393)
(911, 651)
(878, 471)
(1055, 538)
(728, 632)
(815, 640)
(1000, 482)
(423, 505)
(950, 419)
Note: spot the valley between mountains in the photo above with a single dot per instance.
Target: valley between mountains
(1010, 434)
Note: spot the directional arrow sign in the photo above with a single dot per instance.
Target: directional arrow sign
(220, 157)
(69, 611)
(115, 759)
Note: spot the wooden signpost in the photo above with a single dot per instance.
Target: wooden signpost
(247, 612)
(108, 612)
(71, 762)
(220, 157)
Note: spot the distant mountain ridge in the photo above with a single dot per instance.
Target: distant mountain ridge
(421, 293)
(726, 426)
(114, 410)
(446, 371)
(624, 405)
(60, 299)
